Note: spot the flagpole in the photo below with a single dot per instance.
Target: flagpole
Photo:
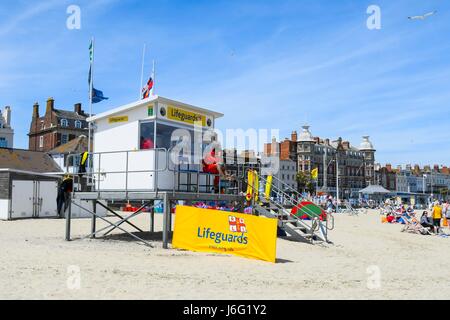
(142, 72)
(91, 61)
(152, 91)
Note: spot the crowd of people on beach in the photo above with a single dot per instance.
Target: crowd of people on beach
(435, 219)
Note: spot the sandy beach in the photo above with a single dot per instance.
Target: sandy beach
(368, 260)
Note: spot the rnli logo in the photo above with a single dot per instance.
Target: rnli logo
(237, 224)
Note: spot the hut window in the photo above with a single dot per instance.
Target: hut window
(147, 135)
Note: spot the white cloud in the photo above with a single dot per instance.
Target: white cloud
(27, 14)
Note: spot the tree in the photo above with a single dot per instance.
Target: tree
(304, 181)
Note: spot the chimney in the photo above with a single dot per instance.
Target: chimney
(8, 116)
(294, 136)
(317, 140)
(50, 105)
(346, 145)
(327, 142)
(274, 147)
(77, 108)
(36, 110)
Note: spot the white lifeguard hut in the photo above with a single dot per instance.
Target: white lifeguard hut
(133, 161)
(131, 145)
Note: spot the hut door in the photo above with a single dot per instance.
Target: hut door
(22, 199)
(46, 199)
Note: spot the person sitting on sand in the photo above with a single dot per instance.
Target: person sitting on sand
(425, 221)
(390, 217)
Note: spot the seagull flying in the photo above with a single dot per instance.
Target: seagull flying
(423, 17)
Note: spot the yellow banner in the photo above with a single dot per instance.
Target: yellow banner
(268, 187)
(118, 119)
(182, 115)
(239, 234)
(315, 173)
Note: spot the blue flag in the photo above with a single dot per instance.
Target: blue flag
(97, 96)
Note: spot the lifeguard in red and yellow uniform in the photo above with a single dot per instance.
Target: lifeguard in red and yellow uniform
(212, 164)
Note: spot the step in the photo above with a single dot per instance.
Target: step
(300, 228)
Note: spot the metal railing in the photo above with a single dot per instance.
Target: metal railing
(94, 171)
(295, 200)
(95, 175)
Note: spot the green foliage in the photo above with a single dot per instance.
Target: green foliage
(305, 182)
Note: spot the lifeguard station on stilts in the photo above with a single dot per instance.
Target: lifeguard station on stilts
(135, 159)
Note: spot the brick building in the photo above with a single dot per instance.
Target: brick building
(287, 149)
(286, 176)
(387, 177)
(55, 127)
(356, 164)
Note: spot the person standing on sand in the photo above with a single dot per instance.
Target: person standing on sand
(446, 212)
(437, 216)
(64, 191)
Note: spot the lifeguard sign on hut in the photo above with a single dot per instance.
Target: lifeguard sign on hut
(131, 145)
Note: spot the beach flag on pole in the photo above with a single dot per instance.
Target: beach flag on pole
(315, 173)
(95, 96)
(147, 89)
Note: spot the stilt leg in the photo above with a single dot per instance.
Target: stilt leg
(94, 218)
(152, 218)
(166, 222)
(68, 218)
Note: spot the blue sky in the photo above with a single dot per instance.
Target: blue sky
(265, 64)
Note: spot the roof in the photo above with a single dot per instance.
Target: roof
(70, 114)
(148, 101)
(366, 144)
(374, 189)
(26, 160)
(77, 145)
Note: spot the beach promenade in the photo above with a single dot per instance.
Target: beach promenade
(368, 260)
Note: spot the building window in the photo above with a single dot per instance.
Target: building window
(41, 141)
(64, 138)
(78, 124)
(64, 123)
(3, 143)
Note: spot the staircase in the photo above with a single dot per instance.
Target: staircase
(311, 231)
